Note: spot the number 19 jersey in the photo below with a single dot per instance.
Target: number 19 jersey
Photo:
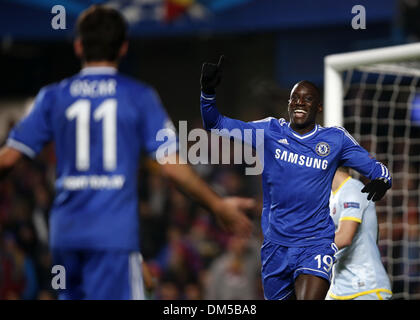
(100, 122)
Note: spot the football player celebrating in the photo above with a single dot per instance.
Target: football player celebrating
(299, 159)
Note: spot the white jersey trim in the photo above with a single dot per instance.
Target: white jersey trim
(286, 295)
(307, 135)
(314, 270)
(21, 147)
(352, 296)
(385, 172)
(98, 70)
(136, 277)
(348, 135)
(207, 98)
(263, 120)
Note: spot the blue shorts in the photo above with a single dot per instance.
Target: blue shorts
(100, 275)
(282, 265)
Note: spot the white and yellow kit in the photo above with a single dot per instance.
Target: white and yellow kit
(358, 272)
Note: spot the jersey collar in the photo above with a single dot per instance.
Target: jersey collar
(341, 185)
(98, 70)
(306, 135)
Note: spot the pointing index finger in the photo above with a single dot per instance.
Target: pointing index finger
(220, 63)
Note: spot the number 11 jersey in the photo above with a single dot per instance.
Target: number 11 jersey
(101, 122)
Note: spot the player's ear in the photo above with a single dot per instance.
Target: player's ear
(78, 47)
(320, 108)
(123, 50)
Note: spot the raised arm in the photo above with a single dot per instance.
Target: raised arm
(211, 76)
(251, 133)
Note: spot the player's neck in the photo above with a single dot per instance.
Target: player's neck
(303, 130)
(112, 64)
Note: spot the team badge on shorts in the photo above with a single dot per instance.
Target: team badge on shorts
(322, 149)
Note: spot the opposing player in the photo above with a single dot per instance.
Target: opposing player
(101, 122)
(358, 273)
(299, 159)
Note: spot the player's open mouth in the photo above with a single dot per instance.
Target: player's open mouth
(299, 113)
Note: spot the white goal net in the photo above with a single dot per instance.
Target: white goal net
(379, 92)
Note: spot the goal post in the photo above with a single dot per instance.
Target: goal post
(335, 64)
(375, 95)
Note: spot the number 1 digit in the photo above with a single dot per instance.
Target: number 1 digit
(318, 258)
(107, 112)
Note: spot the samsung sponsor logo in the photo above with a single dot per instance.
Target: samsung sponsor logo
(301, 160)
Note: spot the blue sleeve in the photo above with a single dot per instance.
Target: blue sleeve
(356, 157)
(265, 215)
(157, 127)
(251, 133)
(35, 130)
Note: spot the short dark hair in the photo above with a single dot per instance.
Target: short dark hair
(313, 85)
(102, 31)
(344, 169)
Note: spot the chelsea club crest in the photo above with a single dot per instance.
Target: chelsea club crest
(322, 149)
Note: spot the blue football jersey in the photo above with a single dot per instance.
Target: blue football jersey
(297, 172)
(101, 122)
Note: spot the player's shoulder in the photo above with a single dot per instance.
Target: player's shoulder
(139, 90)
(270, 121)
(62, 85)
(131, 83)
(338, 131)
(266, 120)
(351, 191)
(49, 91)
(281, 122)
(355, 184)
(335, 130)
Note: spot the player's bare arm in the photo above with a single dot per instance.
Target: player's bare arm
(346, 228)
(8, 158)
(345, 233)
(229, 211)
